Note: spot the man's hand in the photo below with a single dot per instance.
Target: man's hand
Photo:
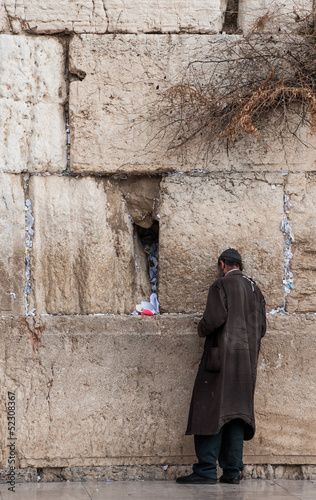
(197, 320)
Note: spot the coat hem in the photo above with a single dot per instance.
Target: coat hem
(250, 427)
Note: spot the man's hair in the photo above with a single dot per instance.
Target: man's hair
(231, 258)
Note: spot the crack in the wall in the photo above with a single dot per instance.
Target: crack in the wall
(66, 105)
(287, 251)
(68, 137)
(149, 238)
(29, 232)
(230, 22)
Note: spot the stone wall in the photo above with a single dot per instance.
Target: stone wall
(82, 171)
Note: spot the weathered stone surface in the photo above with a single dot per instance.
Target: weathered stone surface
(12, 245)
(84, 249)
(108, 391)
(301, 189)
(286, 391)
(4, 328)
(99, 16)
(309, 472)
(151, 472)
(113, 473)
(203, 215)
(109, 108)
(275, 472)
(51, 16)
(159, 472)
(198, 16)
(32, 96)
(279, 13)
(101, 390)
(278, 148)
(142, 195)
(118, 119)
(4, 22)
(27, 475)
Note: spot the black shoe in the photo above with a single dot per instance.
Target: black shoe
(234, 480)
(195, 479)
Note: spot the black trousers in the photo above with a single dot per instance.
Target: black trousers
(226, 447)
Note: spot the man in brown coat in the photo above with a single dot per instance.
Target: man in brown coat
(222, 407)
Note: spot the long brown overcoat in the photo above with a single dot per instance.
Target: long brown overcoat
(233, 323)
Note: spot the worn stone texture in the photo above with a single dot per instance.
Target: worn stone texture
(119, 121)
(198, 16)
(301, 189)
(101, 390)
(278, 149)
(159, 472)
(51, 16)
(83, 258)
(286, 391)
(27, 475)
(202, 215)
(109, 108)
(4, 22)
(12, 245)
(4, 328)
(114, 473)
(32, 97)
(150, 472)
(142, 195)
(115, 391)
(276, 472)
(100, 16)
(278, 13)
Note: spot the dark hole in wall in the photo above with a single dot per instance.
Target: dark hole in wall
(230, 25)
(149, 238)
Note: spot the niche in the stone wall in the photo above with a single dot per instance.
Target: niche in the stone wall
(230, 24)
(149, 238)
(142, 194)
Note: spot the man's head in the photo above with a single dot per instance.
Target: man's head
(228, 260)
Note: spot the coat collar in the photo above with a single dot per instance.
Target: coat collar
(235, 271)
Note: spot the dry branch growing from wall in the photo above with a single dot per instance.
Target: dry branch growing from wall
(243, 78)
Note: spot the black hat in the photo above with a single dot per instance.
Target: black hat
(232, 255)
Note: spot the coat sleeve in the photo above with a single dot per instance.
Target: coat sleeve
(215, 313)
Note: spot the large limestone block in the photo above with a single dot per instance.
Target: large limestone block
(119, 120)
(12, 245)
(203, 215)
(286, 393)
(198, 16)
(279, 13)
(32, 97)
(84, 250)
(99, 16)
(51, 16)
(123, 76)
(101, 390)
(301, 189)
